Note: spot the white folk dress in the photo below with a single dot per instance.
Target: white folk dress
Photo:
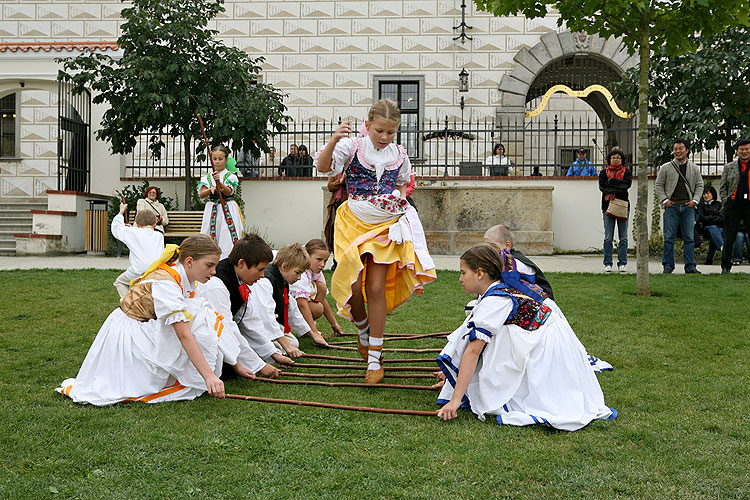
(133, 360)
(224, 229)
(524, 377)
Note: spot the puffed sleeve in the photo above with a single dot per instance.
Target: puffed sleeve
(204, 181)
(231, 180)
(169, 303)
(341, 154)
(303, 287)
(488, 317)
(404, 172)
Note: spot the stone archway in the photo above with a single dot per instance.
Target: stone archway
(518, 87)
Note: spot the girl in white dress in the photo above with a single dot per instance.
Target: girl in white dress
(516, 357)
(310, 290)
(162, 343)
(222, 222)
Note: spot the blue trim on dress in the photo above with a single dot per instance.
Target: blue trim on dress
(613, 415)
(499, 290)
(514, 279)
(474, 329)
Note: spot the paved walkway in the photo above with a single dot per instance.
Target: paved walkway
(548, 263)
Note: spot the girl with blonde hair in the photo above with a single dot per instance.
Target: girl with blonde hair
(163, 343)
(379, 242)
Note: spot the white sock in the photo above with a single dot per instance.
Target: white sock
(363, 330)
(374, 357)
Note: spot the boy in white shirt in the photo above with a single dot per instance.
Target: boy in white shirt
(145, 244)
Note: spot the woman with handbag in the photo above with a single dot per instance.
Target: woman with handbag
(614, 182)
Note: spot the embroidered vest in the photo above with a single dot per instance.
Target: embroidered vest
(527, 313)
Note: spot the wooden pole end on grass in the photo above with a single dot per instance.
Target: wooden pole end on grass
(393, 411)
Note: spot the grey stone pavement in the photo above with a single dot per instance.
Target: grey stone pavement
(586, 263)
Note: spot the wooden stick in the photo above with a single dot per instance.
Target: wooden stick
(413, 351)
(395, 334)
(334, 406)
(347, 384)
(208, 153)
(386, 339)
(360, 360)
(353, 375)
(363, 367)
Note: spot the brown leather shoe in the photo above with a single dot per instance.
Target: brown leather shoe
(375, 376)
(362, 350)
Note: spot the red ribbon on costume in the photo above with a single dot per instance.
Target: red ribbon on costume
(245, 291)
(287, 328)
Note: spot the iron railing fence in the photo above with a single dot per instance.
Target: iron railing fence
(446, 148)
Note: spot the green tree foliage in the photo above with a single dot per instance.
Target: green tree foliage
(644, 26)
(172, 68)
(702, 96)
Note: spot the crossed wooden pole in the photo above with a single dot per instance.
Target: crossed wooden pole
(344, 363)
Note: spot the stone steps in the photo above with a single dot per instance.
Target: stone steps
(16, 217)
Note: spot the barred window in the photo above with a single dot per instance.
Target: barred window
(8, 117)
(406, 94)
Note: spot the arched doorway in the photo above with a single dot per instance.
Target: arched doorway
(586, 65)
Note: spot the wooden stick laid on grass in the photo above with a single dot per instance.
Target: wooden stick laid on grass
(414, 351)
(353, 375)
(396, 334)
(387, 339)
(360, 360)
(348, 384)
(363, 367)
(393, 411)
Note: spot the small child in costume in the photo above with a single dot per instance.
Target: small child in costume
(311, 290)
(145, 244)
(230, 293)
(162, 343)
(222, 222)
(516, 357)
(379, 242)
(277, 308)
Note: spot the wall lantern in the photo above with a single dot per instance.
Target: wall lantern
(463, 80)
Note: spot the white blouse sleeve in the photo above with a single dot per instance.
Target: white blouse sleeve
(404, 172)
(489, 317)
(218, 298)
(303, 287)
(262, 292)
(297, 322)
(341, 154)
(169, 303)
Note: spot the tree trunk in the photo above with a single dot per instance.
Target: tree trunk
(641, 219)
(188, 191)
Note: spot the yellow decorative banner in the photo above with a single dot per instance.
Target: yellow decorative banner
(578, 93)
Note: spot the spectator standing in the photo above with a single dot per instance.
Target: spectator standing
(288, 164)
(734, 191)
(247, 164)
(679, 186)
(582, 167)
(499, 164)
(614, 182)
(305, 160)
(269, 161)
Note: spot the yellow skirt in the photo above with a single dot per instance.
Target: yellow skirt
(352, 240)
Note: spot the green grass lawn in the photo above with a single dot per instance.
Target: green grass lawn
(680, 385)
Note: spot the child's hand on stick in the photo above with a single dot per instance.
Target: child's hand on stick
(215, 387)
(449, 411)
